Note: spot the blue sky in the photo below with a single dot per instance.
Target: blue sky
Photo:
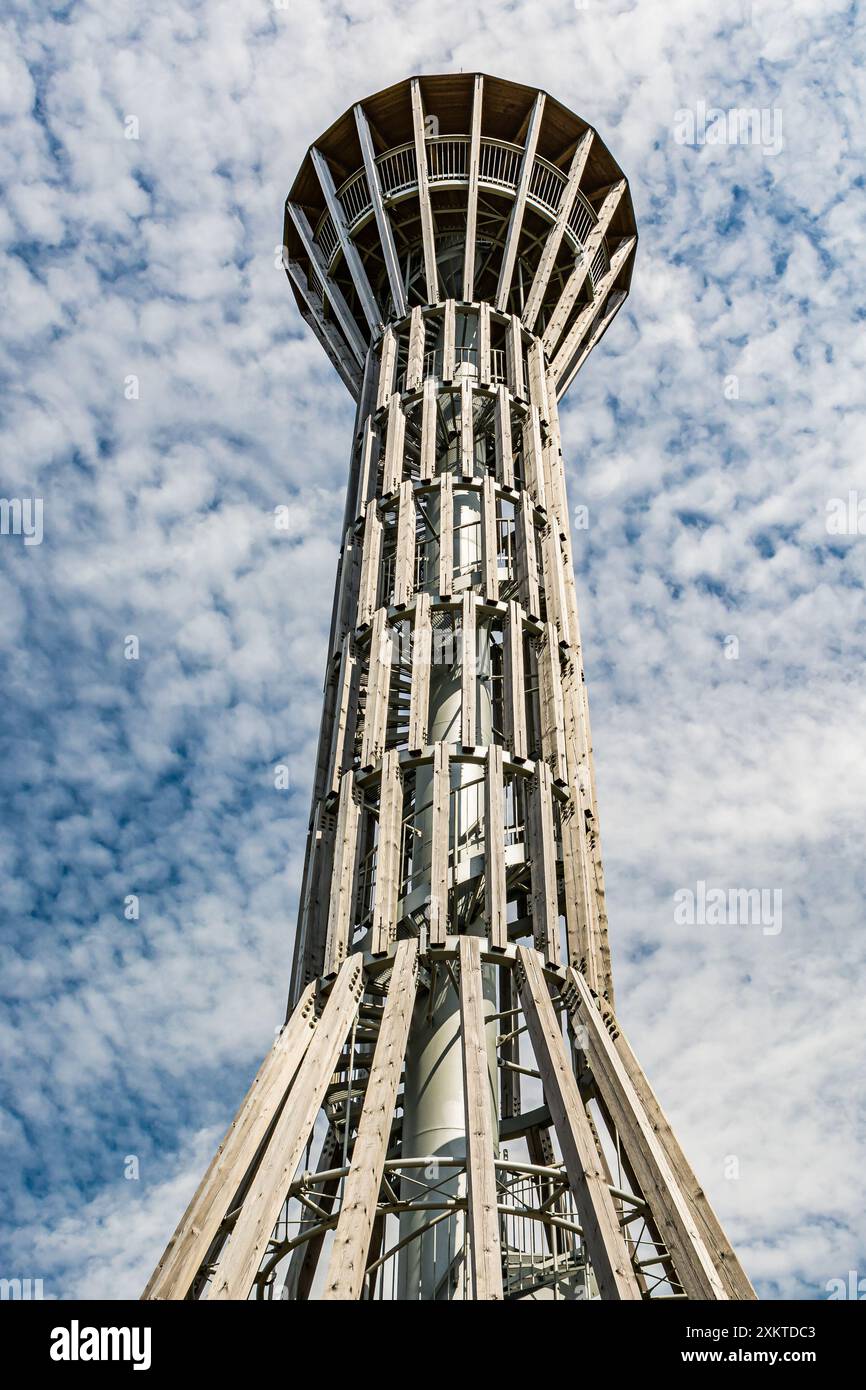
(707, 435)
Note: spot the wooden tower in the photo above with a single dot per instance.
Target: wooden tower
(451, 1110)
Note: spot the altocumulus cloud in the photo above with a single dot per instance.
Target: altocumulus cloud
(162, 397)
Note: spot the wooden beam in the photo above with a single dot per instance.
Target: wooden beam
(446, 534)
(428, 233)
(514, 682)
(533, 460)
(597, 1214)
(354, 264)
(658, 1185)
(368, 589)
(383, 225)
(387, 369)
(551, 703)
(514, 358)
(417, 341)
(428, 430)
(342, 896)
(345, 714)
(537, 366)
(469, 668)
(554, 578)
(495, 899)
(574, 337)
(347, 1265)
(252, 1230)
(404, 559)
(342, 312)
(614, 303)
(467, 433)
(483, 1215)
(515, 221)
(439, 844)
(573, 285)
(504, 449)
(378, 689)
(484, 357)
(367, 467)
(198, 1227)
(547, 260)
(489, 539)
(449, 333)
(472, 196)
(542, 847)
(392, 471)
(388, 866)
(527, 557)
(343, 357)
(419, 699)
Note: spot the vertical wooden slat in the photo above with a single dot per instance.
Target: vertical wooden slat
(439, 845)
(537, 378)
(547, 260)
(419, 699)
(551, 703)
(367, 468)
(542, 845)
(392, 473)
(495, 903)
(387, 368)
(514, 682)
(383, 225)
(527, 559)
(427, 229)
(515, 221)
(415, 363)
(553, 564)
(467, 433)
(469, 667)
(345, 714)
(483, 1217)
(692, 1257)
(404, 560)
(348, 587)
(489, 539)
(596, 1211)
(249, 1238)
(387, 887)
(345, 1276)
(504, 448)
(533, 461)
(370, 562)
(342, 896)
(428, 430)
(446, 534)
(514, 358)
(200, 1223)
(472, 195)
(378, 689)
(509, 1051)
(578, 899)
(449, 329)
(484, 358)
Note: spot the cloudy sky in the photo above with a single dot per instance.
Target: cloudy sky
(162, 396)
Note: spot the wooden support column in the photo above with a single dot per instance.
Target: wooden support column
(446, 534)
(378, 689)
(490, 539)
(598, 1216)
(440, 844)
(370, 562)
(551, 703)
(527, 558)
(483, 1216)
(415, 363)
(351, 255)
(659, 1187)
(472, 196)
(248, 1241)
(404, 560)
(542, 847)
(467, 431)
(514, 358)
(588, 312)
(383, 225)
(427, 229)
(348, 585)
(368, 467)
(428, 430)
(547, 260)
(514, 682)
(469, 668)
(392, 473)
(554, 579)
(537, 378)
(484, 358)
(613, 304)
(388, 867)
(533, 459)
(578, 895)
(343, 875)
(449, 331)
(198, 1227)
(419, 699)
(342, 312)
(345, 1276)
(387, 369)
(573, 285)
(518, 207)
(345, 714)
(495, 902)
(344, 358)
(504, 449)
